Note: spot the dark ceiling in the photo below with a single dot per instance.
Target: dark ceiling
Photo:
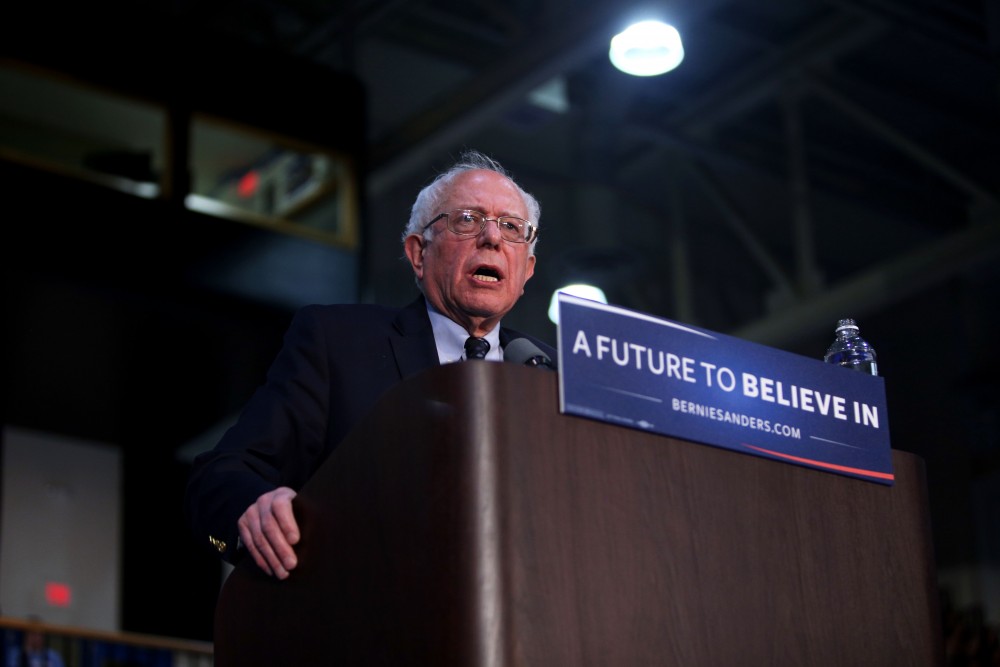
(808, 160)
(805, 159)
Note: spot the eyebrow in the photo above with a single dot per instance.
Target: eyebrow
(480, 209)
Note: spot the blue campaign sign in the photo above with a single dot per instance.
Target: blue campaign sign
(628, 368)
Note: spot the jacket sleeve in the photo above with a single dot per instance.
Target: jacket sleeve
(279, 439)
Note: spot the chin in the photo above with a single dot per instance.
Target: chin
(486, 307)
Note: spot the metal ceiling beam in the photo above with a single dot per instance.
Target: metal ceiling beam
(885, 284)
(807, 267)
(568, 43)
(904, 144)
(483, 96)
(939, 26)
(680, 253)
(738, 224)
(343, 28)
(760, 80)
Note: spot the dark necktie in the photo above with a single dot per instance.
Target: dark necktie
(476, 348)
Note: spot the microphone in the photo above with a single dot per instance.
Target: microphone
(523, 351)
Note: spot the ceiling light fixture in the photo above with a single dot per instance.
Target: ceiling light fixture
(647, 48)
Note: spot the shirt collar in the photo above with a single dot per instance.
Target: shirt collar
(449, 337)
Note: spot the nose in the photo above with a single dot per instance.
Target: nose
(490, 233)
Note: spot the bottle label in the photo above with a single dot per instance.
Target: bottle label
(862, 363)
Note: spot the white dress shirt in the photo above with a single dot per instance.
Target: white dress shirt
(450, 338)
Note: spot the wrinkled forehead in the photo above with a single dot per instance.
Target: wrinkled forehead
(486, 191)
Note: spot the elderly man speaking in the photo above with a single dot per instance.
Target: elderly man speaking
(470, 240)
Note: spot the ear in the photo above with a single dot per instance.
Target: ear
(414, 247)
(529, 271)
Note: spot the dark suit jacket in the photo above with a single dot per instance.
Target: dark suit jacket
(335, 363)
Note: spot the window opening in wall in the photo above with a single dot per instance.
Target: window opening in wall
(250, 175)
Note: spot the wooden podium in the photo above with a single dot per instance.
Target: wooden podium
(468, 522)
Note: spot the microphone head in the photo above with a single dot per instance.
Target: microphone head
(523, 351)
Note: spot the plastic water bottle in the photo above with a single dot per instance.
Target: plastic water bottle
(850, 350)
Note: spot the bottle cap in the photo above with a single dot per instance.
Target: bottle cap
(846, 323)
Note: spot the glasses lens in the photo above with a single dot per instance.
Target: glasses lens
(465, 222)
(512, 229)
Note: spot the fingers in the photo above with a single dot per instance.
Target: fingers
(281, 511)
(253, 539)
(268, 530)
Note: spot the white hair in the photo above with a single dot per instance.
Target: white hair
(429, 199)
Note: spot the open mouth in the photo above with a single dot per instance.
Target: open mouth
(487, 274)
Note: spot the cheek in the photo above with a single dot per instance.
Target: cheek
(448, 264)
(439, 267)
(434, 259)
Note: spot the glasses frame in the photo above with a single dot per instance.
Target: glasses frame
(530, 235)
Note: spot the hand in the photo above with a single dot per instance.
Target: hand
(269, 531)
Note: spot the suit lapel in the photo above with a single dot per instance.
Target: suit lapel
(412, 340)
(506, 335)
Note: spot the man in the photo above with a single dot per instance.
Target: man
(470, 240)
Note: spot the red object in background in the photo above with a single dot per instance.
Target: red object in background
(58, 595)
(248, 184)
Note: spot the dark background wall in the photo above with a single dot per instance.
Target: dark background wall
(114, 342)
(124, 322)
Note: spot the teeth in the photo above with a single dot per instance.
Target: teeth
(488, 279)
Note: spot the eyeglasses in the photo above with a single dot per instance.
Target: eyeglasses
(470, 223)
